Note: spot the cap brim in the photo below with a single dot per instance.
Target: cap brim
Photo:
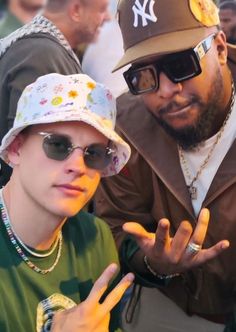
(163, 44)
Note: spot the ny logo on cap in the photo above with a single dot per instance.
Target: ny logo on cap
(141, 10)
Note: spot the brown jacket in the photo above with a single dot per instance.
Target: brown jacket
(152, 186)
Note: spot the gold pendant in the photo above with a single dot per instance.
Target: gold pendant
(193, 192)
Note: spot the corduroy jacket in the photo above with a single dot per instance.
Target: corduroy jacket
(151, 187)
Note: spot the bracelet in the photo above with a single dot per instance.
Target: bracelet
(159, 276)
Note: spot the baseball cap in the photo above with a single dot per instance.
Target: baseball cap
(59, 98)
(156, 27)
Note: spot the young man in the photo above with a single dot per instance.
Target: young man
(53, 255)
(45, 45)
(180, 122)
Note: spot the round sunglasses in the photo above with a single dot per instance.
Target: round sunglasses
(59, 147)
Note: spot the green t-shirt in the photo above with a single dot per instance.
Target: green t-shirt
(28, 299)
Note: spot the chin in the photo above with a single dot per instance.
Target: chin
(69, 210)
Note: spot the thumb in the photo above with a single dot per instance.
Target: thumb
(138, 231)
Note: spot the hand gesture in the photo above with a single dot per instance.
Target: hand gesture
(169, 255)
(90, 315)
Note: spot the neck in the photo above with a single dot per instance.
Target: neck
(36, 227)
(63, 24)
(226, 107)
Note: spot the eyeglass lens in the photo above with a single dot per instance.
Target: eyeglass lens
(178, 67)
(59, 147)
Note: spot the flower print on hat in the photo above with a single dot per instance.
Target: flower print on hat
(58, 98)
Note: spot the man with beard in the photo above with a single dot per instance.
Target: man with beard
(175, 199)
(227, 13)
(45, 45)
(19, 12)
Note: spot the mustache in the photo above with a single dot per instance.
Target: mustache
(175, 105)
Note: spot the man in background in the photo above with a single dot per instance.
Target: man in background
(18, 13)
(227, 14)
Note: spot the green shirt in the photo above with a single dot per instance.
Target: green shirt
(28, 299)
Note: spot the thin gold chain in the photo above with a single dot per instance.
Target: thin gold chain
(183, 161)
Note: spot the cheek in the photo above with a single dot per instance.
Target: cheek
(36, 167)
(97, 20)
(150, 100)
(93, 178)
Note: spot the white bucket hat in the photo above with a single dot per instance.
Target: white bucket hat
(59, 98)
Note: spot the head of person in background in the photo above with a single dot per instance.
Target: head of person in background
(227, 13)
(27, 5)
(79, 20)
(180, 50)
(17, 13)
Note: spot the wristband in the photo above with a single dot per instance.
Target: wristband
(159, 276)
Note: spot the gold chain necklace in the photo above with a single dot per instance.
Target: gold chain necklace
(191, 188)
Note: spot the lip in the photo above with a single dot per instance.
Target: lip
(181, 110)
(70, 189)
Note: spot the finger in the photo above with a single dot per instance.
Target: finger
(115, 295)
(101, 284)
(207, 254)
(162, 235)
(201, 228)
(137, 230)
(144, 239)
(181, 239)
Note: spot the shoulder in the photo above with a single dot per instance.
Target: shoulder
(90, 227)
(91, 236)
(36, 55)
(40, 44)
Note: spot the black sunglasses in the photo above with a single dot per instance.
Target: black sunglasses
(59, 147)
(178, 67)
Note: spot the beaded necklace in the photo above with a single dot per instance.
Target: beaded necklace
(14, 239)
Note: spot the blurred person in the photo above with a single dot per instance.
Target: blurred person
(2, 8)
(59, 267)
(171, 209)
(227, 14)
(45, 45)
(100, 58)
(17, 13)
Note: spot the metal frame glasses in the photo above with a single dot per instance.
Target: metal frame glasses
(59, 147)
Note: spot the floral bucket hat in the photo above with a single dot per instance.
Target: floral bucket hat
(59, 98)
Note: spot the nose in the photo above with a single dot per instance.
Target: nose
(107, 16)
(167, 88)
(75, 163)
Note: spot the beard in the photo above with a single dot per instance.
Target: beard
(192, 136)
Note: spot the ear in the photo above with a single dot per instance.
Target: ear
(13, 150)
(75, 10)
(221, 46)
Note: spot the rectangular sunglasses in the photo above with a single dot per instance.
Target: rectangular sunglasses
(59, 147)
(178, 67)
